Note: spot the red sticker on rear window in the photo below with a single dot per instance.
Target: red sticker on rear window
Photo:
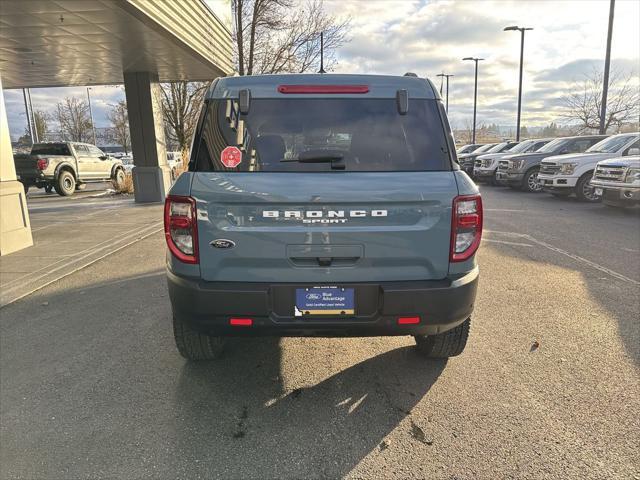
(231, 157)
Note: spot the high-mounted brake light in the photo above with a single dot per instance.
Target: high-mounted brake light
(466, 227)
(323, 89)
(181, 228)
(42, 163)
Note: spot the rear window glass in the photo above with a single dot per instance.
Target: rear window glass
(50, 149)
(322, 134)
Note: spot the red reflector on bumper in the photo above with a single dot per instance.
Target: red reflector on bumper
(240, 322)
(408, 320)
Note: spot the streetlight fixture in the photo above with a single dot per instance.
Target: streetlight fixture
(521, 30)
(93, 125)
(445, 75)
(475, 95)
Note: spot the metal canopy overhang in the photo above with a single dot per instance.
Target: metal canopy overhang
(55, 43)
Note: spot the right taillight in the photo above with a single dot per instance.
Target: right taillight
(181, 228)
(43, 163)
(466, 227)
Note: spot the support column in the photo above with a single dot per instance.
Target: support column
(15, 229)
(151, 174)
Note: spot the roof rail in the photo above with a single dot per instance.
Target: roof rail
(410, 74)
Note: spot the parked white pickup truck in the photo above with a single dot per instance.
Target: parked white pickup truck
(567, 174)
(618, 181)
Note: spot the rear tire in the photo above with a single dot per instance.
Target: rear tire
(444, 345)
(65, 184)
(196, 346)
(584, 191)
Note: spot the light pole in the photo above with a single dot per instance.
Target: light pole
(30, 125)
(93, 125)
(447, 76)
(322, 53)
(605, 80)
(521, 30)
(475, 95)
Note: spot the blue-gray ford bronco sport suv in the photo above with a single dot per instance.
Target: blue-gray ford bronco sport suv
(322, 205)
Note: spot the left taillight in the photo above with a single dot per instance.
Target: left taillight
(43, 163)
(466, 227)
(181, 228)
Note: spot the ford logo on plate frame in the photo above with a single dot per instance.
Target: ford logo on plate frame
(223, 243)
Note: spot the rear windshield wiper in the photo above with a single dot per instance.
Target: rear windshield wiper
(333, 158)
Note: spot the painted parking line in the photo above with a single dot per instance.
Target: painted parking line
(504, 242)
(30, 283)
(577, 258)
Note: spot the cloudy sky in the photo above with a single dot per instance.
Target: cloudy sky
(429, 37)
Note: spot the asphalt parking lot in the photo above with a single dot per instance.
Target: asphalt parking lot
(92, 386)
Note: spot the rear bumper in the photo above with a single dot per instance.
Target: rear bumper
(32, 178)
(208, 306)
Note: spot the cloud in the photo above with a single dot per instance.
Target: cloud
(432, 36)
(577, 69)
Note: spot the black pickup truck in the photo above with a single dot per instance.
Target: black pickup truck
(66, 166)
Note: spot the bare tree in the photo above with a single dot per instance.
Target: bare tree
(181, 104)
(276, 36)
(583, 104)
(119, 118)
(72, 115)
(41, 122)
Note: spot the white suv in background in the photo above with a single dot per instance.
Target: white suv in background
(567, 174)
(174, 161)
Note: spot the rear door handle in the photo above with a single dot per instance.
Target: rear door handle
(324, 261)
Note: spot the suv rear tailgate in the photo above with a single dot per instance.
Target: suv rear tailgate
(324, 227)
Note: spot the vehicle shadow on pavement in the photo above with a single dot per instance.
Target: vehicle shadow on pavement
(321, 431)
(92, 382)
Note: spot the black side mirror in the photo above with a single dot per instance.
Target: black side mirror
(103, 157)
(244, 101)
(402, 99)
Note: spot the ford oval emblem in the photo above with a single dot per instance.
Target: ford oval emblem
(223, 243)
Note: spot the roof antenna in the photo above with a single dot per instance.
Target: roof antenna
(322, 53)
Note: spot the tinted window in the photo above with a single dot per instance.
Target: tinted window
(611, 144)
(522, 147)
(81, 150)
(580, 145)
(635, 144)
(95, 151)
(364, 134)
(555, 145)
(538, 145)
(467, 149)
(484, 148)
(50, 149)
(499, 147)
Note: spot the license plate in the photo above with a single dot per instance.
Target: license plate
(324, 301)
(598, 191)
